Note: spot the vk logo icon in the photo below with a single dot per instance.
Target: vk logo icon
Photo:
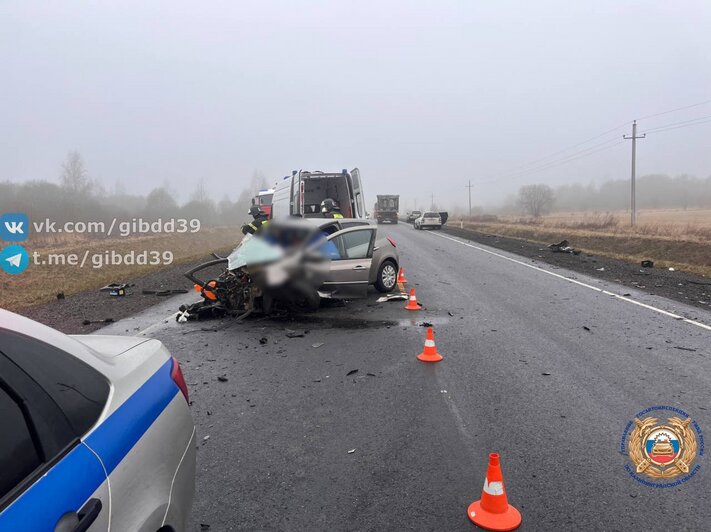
(14, 259)
(14, 227)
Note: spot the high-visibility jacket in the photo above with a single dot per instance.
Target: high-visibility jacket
(254, 227)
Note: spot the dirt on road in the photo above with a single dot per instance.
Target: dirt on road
(677, 285)
(70, 314)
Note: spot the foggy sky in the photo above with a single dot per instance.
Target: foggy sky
(421, 96)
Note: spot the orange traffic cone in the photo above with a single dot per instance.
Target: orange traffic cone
(401, 276)
(492, 511)
(412, 303)
(430, 354)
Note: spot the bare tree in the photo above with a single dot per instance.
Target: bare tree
(74, 176)
(258, 181)
(536, 199)
(200, 193)
(160, 204)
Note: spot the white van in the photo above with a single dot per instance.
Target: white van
(301, 194)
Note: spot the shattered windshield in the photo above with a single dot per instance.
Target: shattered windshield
(254, 250)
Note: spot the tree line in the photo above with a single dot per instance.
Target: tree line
(653, 192)
(78, 197)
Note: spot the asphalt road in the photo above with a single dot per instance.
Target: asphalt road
(521, 376)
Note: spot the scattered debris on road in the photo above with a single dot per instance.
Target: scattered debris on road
(352, 372)
(392, 297)
(105, 320)
(563, 247)
(222, 378)
(317, 345)
(116, 289)
(351, 451)
(166, 292)
(60, 295)
(586, 328)
(294, 334)
(263, 340)
(647, 264)
(545, 373)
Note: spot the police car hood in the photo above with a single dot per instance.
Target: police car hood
(109, 346)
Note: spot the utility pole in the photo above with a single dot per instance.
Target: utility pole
(469, 186)
(432, 204)
(633, 195)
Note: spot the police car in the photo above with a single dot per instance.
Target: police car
(96, 432)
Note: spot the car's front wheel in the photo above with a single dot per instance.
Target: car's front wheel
(387, 277)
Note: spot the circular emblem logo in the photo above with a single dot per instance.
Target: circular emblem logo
(662, 449)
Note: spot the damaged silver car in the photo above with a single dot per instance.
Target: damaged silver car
(292, 265)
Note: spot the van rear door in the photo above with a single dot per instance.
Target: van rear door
(358, 194)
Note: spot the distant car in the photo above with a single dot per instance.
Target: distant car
(96, 432)
(429, 219)
(414, 215)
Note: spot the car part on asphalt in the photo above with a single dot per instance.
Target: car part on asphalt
(164, 292)
(90, 322)
(392, 297)
(563, 247)
(116, 289)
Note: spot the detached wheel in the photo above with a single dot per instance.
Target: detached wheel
(387, 277)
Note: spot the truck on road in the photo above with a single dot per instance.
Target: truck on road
(386, 208)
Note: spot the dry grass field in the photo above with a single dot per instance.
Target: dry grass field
(671, 238)
(40, 283)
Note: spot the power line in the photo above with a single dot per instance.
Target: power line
(534, 162)
(680, 124)
(571, 156)
(681, 127)
(553, 164)
(674, 110)
(538, 165)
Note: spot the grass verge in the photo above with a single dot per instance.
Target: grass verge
(41, 283)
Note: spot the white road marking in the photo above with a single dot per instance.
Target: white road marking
(579, 283)
(157, 324)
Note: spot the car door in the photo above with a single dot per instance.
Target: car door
(351, 254)
(358, 198)
(49, 479)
